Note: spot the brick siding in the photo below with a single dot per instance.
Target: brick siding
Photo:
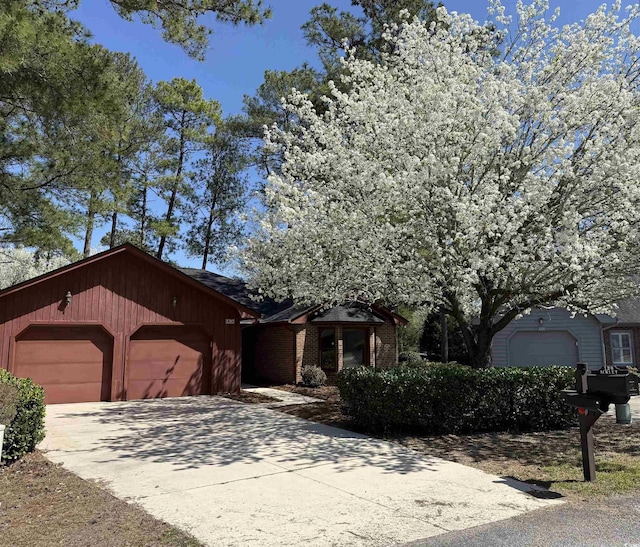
(279, 352)
(274, 357)
(386, 346)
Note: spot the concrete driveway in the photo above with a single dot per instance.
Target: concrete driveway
(240, 474)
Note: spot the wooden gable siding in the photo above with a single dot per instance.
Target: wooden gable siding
(121, 293)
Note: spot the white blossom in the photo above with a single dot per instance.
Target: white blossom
(19, 264)
(486, 168)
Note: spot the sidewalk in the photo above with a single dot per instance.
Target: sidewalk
(285, 398)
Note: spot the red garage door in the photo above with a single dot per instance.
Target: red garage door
(73, 364)
(168, 361)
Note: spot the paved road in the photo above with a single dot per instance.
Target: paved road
(240, 474)
(613, 523)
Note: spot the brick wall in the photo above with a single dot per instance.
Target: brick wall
(280, 352)
(274, 357)
(635, 343)
(310, 351)
(386, 346)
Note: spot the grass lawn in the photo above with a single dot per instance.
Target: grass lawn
(42, 505)
(549, 459)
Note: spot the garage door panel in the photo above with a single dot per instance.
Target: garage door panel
(158, 369)
(65, 373)
(72, 364)
(168, 361)
(542, 348)
(155, 389)
(72, 393)
(59, 352)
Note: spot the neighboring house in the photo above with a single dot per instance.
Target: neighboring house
(558, 337)
(288, 337)
(124, 325)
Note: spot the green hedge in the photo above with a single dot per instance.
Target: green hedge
(27, 427)
(440, 398)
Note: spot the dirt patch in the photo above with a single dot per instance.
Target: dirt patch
(250, 397)
(41, 505)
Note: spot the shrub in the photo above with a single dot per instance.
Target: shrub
(313, 376)
(410, 359)
(8, 403)
(26, 429)
(440, 398)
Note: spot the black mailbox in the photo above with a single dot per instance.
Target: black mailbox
(618, 385)
(594, 392)
(603, 388)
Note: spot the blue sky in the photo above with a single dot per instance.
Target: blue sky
(238, 57)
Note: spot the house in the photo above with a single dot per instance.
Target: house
(559, 337)
(287, 337)
(124, 325)
(121, 325)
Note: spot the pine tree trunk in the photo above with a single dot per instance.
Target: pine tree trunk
(114, 224)
(91, 215)
(174, 192)
(207, 236)
(143, 217)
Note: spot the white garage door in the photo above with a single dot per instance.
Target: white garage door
(537, 348)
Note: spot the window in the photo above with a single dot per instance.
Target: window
(621, 352)
(354, 348)
(328, 349)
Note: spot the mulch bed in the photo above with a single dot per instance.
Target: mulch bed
(42, 505)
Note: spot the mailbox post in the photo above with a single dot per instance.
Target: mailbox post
(593, 394)
(586, 418)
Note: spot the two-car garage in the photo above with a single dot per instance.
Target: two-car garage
(133, 328)
(75, 363)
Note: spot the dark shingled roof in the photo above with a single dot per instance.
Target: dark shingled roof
(270, 310)
(628, 310)
(273, 312)
(349, 313)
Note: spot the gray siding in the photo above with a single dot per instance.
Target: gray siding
(586, 330)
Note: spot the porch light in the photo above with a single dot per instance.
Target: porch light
(541, 322)
(174, 302)
(67, 298)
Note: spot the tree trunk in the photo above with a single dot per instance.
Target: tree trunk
(207, 236)
(444, 336)
(114, 215)
(174, 190)
(477, 339)
(143, 216)
(91, 215)
(168, 216)
(114, 224)
(480, 357)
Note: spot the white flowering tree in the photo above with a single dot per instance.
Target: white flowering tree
(484, 168)
(18, 264)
